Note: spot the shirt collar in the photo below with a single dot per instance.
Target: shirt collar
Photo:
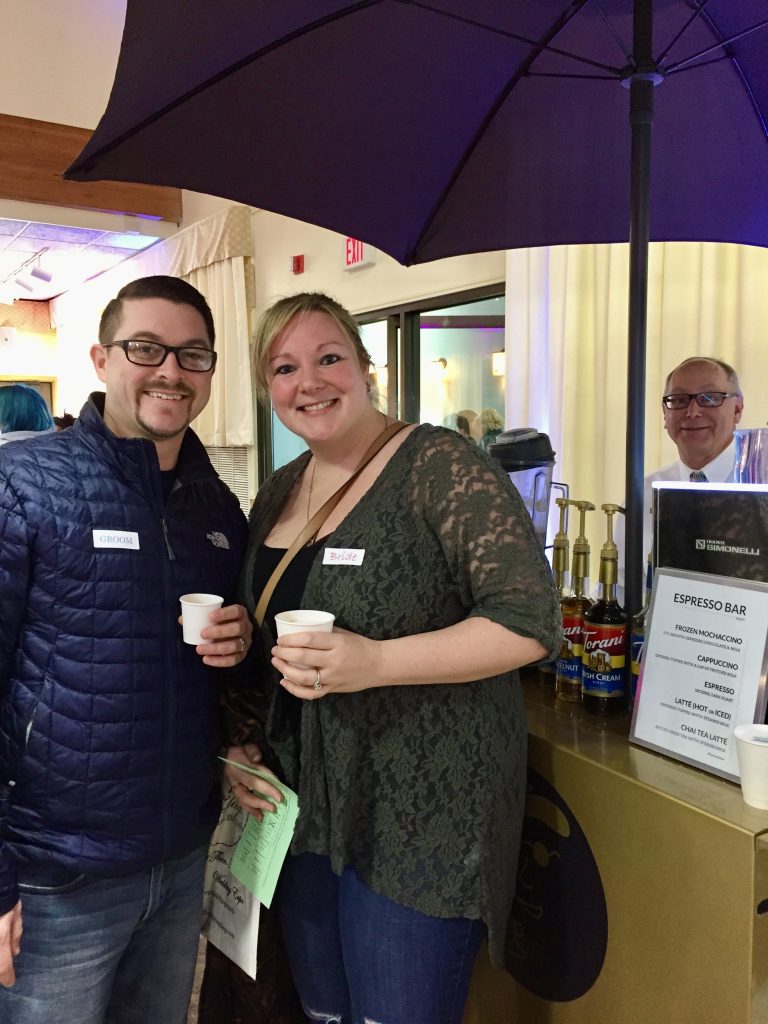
(719, 470)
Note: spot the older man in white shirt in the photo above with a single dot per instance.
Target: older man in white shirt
(702, 405)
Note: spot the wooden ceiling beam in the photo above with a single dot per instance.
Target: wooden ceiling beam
(34, 155)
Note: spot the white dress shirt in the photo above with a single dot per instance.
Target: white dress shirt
(718, 471)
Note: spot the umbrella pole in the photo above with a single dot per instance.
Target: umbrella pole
(641, 121)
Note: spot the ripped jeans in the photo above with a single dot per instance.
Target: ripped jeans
(360, 958)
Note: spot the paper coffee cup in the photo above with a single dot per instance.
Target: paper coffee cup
(196, 610)
(304, 620)
(752, 752)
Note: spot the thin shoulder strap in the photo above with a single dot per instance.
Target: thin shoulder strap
(317, 520)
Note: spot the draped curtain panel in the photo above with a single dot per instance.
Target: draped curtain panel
(228, 417)
(214, 255)
(566, 343)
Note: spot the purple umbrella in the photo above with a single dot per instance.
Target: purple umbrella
(436, 128)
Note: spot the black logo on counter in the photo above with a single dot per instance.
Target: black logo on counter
(558, 929)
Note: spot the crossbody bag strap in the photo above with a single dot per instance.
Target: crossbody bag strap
(313, 526)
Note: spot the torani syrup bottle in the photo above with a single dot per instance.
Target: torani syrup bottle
(637, 642)
(603, 672)
(547, 669)
(569, 662)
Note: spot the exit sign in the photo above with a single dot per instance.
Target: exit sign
(357, 254)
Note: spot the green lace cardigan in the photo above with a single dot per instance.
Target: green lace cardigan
(420, 788)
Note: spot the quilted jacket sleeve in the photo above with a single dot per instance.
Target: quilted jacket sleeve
(15, 547)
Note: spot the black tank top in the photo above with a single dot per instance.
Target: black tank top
(290, 587)
(285, 597)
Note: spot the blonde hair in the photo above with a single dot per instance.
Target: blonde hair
(279, 315)
(491, 420)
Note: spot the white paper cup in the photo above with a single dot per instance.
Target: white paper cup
(752, 752)
(304, 620)
(196, 610)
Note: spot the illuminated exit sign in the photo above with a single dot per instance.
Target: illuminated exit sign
(357, 254)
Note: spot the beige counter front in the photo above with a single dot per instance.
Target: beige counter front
(643, 892)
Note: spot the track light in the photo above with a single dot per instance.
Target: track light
(41, 273)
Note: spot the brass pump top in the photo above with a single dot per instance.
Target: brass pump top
(560, 544)
(609, 553)
(581, 544)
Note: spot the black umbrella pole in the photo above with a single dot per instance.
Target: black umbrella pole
(641, 121)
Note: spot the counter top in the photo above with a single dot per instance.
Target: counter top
(603, 740)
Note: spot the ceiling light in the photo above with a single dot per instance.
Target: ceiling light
(41, 273)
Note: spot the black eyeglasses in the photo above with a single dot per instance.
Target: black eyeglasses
(704, 399)
(153, 353)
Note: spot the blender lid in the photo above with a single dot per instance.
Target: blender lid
(522, 448)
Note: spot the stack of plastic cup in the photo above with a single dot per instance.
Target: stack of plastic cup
(751, 465)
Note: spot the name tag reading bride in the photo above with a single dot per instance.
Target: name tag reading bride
(343, 556)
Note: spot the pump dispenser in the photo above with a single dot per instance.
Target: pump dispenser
(560, 549)
(573, 608)
(547, 669)
(603, 679)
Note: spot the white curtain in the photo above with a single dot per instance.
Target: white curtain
(566, 343)
(228, 417)
(214, 255)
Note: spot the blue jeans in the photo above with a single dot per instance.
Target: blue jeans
(116, 950)
(360, 958)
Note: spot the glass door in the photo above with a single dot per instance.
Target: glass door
(462, 368)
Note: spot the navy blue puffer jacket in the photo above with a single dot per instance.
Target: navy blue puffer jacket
(108, 722)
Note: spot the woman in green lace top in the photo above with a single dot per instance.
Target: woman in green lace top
(402, 730)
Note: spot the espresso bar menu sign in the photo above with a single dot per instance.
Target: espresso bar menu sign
(704, 668)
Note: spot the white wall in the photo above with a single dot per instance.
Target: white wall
(386, 283)
(59, 58)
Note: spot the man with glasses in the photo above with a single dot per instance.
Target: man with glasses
(702, 403)
(108, 721)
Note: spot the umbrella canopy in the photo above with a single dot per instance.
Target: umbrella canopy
(443, 127)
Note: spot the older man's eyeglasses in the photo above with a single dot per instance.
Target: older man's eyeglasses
(153, 353)
(704, 399)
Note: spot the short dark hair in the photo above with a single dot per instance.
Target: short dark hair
(65, 420)
(23, 408)
(160, 286)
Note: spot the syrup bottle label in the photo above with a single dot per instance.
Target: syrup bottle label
(603, 660)
(572, 649)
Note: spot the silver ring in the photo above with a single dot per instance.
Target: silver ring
(317, 685)
(242, 645)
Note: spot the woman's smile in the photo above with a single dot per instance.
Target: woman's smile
(318, 406)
